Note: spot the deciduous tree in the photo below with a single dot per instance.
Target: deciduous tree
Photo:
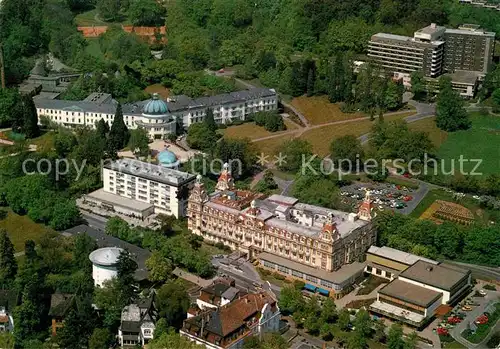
(450, 110)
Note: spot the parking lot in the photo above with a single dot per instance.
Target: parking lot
(385, 196)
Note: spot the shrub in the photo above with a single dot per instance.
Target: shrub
(490, 287)
(278, 276)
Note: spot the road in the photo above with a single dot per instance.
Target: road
(484, 272)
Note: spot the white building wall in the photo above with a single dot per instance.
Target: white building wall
(101, 274)
(204, 305)
(162, 196)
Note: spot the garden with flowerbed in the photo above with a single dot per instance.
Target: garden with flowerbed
(482, 325)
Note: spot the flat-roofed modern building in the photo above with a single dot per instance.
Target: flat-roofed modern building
(323, 247)
(138, 189)
(436, 50)
(468, 48)
(155, 115)
(404, 54)
(420, 290)
(388, 263)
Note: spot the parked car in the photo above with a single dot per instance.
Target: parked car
(466, 308)
(483, 292)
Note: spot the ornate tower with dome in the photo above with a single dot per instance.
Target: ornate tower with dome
(156, 118)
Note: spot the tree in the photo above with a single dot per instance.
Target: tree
(379, 331)
(395, 337)
(8, 263)
(344, 319)
(394, 95)
(209, 121)
(9, 106)
(27, 118)
(111, 298)
(346, 151)
(146, 13)
(241, 154)
(101, 338)
(65, 214)
(166, 223)
(117, 227)
(291, 300)
(418, 85)
(118, 134)
(495, 96)
(172, 340)
(200, 137)
(411, 341)
(139, 142)
(172, 302)
(64, 142)
(311, 79)
(109, 10)
(294, 152)
(160, 268)
(362, 323)
(83, 246)
(78, 326)
(102, 128)
(6, 340)
(329, 311)
(450, 110)
(30, 252)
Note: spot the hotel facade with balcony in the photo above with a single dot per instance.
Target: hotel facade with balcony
(138, 189)
(160, 118)
(325, 248)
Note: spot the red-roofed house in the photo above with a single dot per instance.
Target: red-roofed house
(228, 326)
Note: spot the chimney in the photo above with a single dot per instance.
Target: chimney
(433, 25)
(429, 268)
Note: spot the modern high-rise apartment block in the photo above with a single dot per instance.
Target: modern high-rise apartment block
(436, 50)
(468, 48)
(404, 54)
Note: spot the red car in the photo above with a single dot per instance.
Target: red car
(442, 331)
(408, 198)
(407, 175)
(454, 320)
(481, 320)
(221, 71)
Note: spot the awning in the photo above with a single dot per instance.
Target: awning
(310, 287)
(323, 291)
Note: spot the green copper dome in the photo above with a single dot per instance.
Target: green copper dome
(155, 106)
(167, 158)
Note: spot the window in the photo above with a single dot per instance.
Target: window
(368, 269)
(378, 271)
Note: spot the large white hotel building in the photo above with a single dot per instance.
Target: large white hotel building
(325, 248)
(138, 189)
(157, 116)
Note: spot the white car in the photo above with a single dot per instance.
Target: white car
(483, 292)
(476, 197)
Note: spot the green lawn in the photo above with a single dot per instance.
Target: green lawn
(22, 228)
(481, 141)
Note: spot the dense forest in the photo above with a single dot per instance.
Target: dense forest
(260, 35)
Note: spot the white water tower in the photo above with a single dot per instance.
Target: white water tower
(104, 264)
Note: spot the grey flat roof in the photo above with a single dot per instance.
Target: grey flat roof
(150, 171)
(407, 39)
(397, 255)
(431, 29)
(410, 293)
(118, 200)
(465, 77)
(470, 32)
(439, 276)
(338, 277)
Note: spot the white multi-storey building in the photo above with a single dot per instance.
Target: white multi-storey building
(138, 189)
(157, 116)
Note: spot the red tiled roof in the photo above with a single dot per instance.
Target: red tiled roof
(147, 32)
(92, 32)
(4, 319)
